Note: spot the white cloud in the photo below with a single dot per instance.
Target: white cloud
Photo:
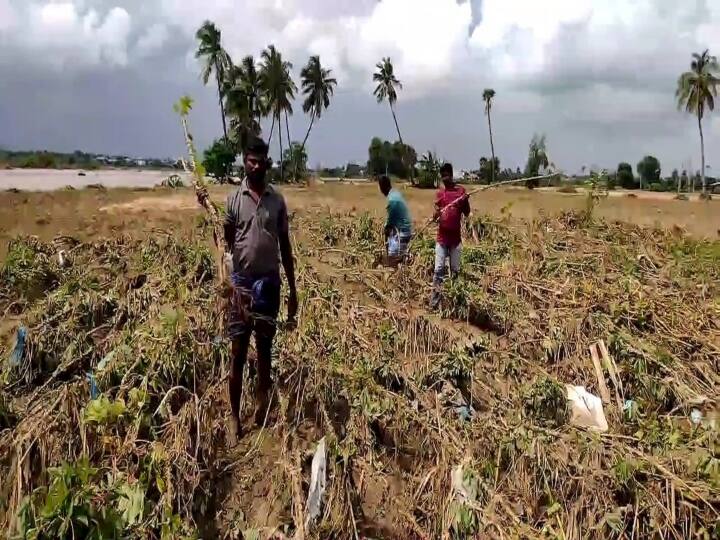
(152, 41)
(64, 36)
(577, 69)
(423, 37)
(526, 39)
(8, 17)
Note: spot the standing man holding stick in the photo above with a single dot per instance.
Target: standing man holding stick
(451, 203)
(257, 236)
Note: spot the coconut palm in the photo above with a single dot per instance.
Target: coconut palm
(317, 87)
(488, 96)
(387, 87)
(278, 90)
(217, 60)
(696, 92)
(244, 100)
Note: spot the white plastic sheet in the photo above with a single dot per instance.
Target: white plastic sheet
(586, 409)
(317, 483)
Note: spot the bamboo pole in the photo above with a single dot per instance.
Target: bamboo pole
(478, 190)
(197, 178)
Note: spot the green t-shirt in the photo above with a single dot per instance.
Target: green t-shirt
(398, 215)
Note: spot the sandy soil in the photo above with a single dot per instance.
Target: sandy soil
(50, 179)
(629, 193)
(91, 213)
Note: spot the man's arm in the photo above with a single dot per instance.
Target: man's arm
(390, 221)
(438, 206)
(288, 262)
(229, 225)
(466, 205)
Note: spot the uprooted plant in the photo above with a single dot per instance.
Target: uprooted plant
(112, 422)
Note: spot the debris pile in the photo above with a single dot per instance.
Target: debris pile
(387, 421)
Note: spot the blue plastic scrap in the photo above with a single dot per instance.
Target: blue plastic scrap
(19, 351)
(465, 413)
(94, 391)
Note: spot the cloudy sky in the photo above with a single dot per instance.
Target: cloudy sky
(597, 76)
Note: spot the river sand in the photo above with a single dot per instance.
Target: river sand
(51, 179)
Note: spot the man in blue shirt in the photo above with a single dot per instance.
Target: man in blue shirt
(398, 227)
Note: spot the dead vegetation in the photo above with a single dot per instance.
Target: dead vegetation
(452, 426)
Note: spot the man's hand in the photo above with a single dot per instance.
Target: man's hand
(292, 307)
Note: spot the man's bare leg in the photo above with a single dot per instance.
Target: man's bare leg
(237, 363)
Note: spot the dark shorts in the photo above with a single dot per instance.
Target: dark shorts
(255, 305)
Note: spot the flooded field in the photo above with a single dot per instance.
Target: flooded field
(51, 179)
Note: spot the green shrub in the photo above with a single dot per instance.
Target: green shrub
(219, 159)
(69, 507)
(612, 181)
(545, 402)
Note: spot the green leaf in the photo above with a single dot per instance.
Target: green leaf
(104, 411)
(183, 106)
(554, 509)
(614, 520)
(131, 503)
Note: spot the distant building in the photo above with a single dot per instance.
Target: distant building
(354, 170)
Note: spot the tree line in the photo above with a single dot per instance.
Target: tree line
(254, 90)
(44, 159)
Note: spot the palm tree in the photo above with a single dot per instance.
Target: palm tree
(244, 100)
(537, 159)
(429, 170)
(696, 91)
(387, 88)
(488, 96)
(317, 87)
(216, 60)
(278, 90)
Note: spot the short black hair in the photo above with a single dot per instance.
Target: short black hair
(384, 182)
(446, 168)
(255, 145)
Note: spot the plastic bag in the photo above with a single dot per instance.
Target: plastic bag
(393, 245)
(94, 391)
(586, 409)
(317, 483)
(19, 351)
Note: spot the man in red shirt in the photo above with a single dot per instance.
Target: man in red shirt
(451, 203)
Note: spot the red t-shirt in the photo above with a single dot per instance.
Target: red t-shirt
(449, 223)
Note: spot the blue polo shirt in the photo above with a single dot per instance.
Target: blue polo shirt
(398, 215)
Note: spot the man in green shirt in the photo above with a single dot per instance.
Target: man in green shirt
(398, 227)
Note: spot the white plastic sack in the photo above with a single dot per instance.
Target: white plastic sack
(317, 483)
(586, 409)
(465, 487)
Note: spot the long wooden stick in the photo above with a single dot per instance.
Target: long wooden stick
(478, 190)
(197, 177)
